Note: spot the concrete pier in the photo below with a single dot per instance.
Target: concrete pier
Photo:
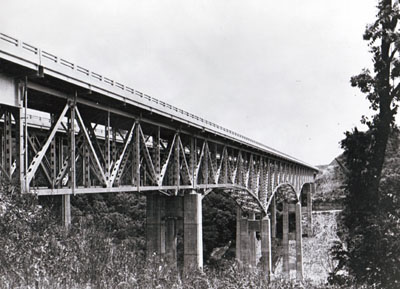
(238, 218)
(266, 254)
(285, 240)
(273, 218)
(66, 210)
(299, 244)
(310, 193)
(193, 232)
(155, 225)
(171, 241)
(244, 242)
(252, 242)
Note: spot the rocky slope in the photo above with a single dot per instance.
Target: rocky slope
(330, 186)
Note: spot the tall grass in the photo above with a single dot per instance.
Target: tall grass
(36, 252)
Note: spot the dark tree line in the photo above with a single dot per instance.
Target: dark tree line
(371, 253)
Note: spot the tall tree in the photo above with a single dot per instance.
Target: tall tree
(384, 40)
(365, 213)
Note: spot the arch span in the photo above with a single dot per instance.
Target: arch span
(286, 194)
(244, 198)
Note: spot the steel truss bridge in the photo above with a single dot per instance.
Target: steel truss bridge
(66, 130)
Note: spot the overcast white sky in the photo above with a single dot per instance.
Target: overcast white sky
(275, 71)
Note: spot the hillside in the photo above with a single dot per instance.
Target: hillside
(330, 181)
(330, 185)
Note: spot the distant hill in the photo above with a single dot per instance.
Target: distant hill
(329, 184)
(331, 178)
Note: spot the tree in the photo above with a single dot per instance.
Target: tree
(219, 223)
(384, 40)
(368, 218)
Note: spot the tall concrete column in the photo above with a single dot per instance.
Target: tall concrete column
(273, 218)
(173, 212)
(252, 243)
(310, 193)
(171, 241)
(238, 218)
(193, 232)
(299, 244)
(244, 242)
(155, 229)
(285, 240)
(66, 210)
(266, 253)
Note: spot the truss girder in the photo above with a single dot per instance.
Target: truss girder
(37, 159)
(117, 166)
(89, 142)
(96, 149)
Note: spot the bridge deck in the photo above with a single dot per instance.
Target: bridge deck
(93, 135)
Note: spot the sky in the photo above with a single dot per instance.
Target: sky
(275, 71)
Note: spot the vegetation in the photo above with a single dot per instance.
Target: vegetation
(219, 223)
(372, 218)
(329, 182)
(36, 252)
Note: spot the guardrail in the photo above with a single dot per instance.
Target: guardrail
(84, 71)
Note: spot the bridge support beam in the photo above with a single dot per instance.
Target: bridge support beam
(266, 257)
(285, 240)
(310, 193)
(171, 241)
(299, 244)
(238, 247)
(164, 215)
(244, 242)
(193, 232)
(173, 217)
(273, 218)
(66, 210)
(252, 242)
(155, 228)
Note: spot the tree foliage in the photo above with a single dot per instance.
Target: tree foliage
(219, 222)
(371, 254)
